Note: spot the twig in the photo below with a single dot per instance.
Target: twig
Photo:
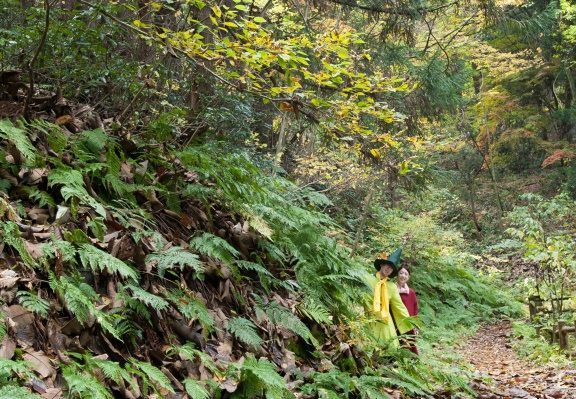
(438, 43)
(34, 58)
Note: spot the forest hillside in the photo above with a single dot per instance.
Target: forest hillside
(193, 195)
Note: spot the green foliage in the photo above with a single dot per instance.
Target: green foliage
(72, 188)
(19, 138)
(188, 352)
(277, 209)
(315, 311)
(33, 303)
(154, 301)
(84, 385)
(195, 389)
(79, 299)
(10, 234)
(151, 376)
(259, 377)
(245, 331)
(55, 136)
(111, 370)
(192, 308)
(215, 247)
(98, 260)
(10, 368)
(12, 392)
(543, 227)
(536, 348)
(283, 317)
(3, 327)
(402, 379)
(175, 258)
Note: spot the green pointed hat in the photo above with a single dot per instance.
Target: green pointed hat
(392, 260)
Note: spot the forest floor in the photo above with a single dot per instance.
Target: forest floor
(501, 374)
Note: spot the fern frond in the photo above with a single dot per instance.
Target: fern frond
(3, 327)
(154, 301)
(153, 374)
(112, 370)
(195, 390)
(324, 393)
(107, 322)
(65, 176)
(245, 331)
(401, 379)
(72, 183)
(131, 216)
(265, 372)
(10, 234)
(19, 138)
(33, 303)
(14, 367)
(99, 260)
(215, 247)
(188, 352)
(41, 197)
(62, 248)
(192, 308)
(315, 311)
(88, 144)
(282, 317)
(83, 385)
(175, 257)
(256, 267)
(57, 140)
(12, 392)
(76, 300)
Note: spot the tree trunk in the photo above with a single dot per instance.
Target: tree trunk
(365, 208)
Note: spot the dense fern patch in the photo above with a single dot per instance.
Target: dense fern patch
(162, 271)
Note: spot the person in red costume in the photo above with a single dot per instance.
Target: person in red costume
(408, 296)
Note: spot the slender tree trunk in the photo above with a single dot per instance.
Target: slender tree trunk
(473, 208)
(365, 209)
(571, 86)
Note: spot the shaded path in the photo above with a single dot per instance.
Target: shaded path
(490, 352)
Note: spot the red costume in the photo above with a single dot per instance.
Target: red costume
(411, 303)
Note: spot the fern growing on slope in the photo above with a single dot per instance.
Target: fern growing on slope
(10, 234)
(13, 392)
(195, 389)
(259, 377)
(18, 137)
(154, 301)
(152, 377)
(99, 260)
(79, 298)
(175, 257)
(191, 307)
(72, 187)
(245, 331)
(282, 317)
(3, 327)
(215, 247)
(83, 385)
(33, 303)
(188, 352)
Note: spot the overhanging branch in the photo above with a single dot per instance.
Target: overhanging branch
(408, 12)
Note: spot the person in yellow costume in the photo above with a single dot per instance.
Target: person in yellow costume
(390, 311)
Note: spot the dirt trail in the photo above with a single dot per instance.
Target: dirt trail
(508, 376)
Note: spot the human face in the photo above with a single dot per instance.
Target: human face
(386, 270)
(403, 276)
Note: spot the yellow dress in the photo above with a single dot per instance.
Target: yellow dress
(383, 330)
